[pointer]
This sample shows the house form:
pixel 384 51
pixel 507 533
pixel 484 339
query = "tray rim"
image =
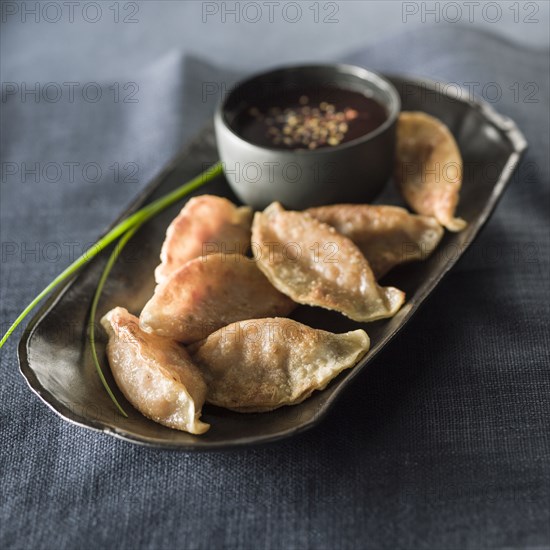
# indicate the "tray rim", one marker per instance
pixel 505 124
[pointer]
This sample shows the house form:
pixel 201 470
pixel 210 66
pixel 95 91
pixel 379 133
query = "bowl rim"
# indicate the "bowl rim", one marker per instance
pixel 367 75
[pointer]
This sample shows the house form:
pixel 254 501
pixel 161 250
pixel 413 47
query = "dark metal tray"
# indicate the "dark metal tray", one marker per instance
pixel 54 355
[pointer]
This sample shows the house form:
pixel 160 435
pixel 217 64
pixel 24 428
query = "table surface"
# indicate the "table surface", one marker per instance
pixel 85 43
pixel 444 444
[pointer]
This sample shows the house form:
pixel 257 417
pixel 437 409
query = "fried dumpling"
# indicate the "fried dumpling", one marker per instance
pixel 155 374
pixel 208 293
pixel 206 224
pixel 313 264
pixel 428 168
pixel 263 364
pixel 386 235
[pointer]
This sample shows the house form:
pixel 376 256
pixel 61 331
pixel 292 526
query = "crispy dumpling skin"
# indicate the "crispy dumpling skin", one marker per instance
pixel 208 293
pixel 262 364
pixel 428 168
pixel 206 224
pixel 155 374
pixel 313 264
pixel 386 235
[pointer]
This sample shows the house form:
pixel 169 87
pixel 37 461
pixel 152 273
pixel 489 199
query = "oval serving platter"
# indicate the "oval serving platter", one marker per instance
pixel 54 355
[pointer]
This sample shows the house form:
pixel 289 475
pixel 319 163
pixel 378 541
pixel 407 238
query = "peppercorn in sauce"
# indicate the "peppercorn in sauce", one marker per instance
pixel 310 119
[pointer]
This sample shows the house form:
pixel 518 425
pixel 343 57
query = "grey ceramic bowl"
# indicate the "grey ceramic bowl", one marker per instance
pixel 354 171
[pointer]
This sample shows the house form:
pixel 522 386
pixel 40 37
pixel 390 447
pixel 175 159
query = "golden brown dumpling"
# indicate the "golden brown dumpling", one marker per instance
pixel 206 224
pixel 313 264
pixel 386 235
pixel 208 293
pixel 262 364
pixel 155 374
pixel 428 168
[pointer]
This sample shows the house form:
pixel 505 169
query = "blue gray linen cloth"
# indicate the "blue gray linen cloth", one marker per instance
pixel 444 443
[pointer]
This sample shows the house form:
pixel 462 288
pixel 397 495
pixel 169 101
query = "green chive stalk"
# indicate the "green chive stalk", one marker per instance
pixel 93 311
pixel 133 221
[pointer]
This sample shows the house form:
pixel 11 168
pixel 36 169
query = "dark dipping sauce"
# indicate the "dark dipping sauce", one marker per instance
pixel 309 119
